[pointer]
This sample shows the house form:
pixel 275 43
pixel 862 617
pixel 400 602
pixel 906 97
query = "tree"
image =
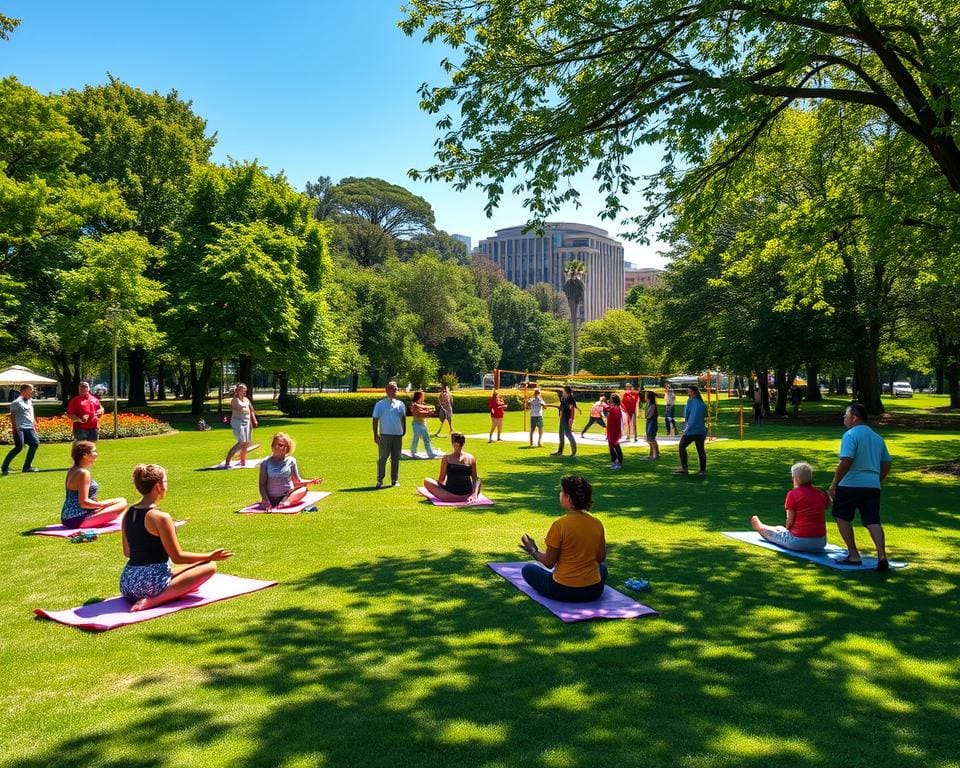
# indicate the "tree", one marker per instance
pixel 546 90
pixel 7 25
pixel 321 191
pixel 526 335
pixel 615 344
pixel 549 299
pixel 395 210
pixel 443 245
pixel 573 290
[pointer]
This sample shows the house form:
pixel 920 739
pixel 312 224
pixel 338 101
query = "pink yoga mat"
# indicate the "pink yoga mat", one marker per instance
pixel 62 532
pixel 611 605
pixel 482 501
pixel 235 464
pixel 115 612
pixel 308 501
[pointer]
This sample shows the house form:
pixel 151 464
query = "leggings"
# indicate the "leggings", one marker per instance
pixel 565 430
pixel 701 452
pixel 616 453
pixel 593 420
pixel 542 581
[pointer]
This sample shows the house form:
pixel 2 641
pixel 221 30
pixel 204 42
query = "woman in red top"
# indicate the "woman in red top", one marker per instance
pixel 614 431
pixel 805 529
pixel 630 400
pixel 496 415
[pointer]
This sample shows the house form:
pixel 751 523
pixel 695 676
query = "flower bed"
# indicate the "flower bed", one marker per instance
pixel 59 429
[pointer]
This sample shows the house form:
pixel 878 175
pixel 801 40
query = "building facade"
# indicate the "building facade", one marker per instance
pixel 527 258
pixel 645 276
pixel 465 239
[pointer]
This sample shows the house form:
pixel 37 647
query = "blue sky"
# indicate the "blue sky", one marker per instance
pixel 310 87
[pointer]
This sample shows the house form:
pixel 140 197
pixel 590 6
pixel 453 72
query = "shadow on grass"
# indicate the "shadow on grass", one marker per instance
pixel 433 660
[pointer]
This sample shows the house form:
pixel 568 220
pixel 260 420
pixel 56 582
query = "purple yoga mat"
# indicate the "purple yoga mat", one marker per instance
pixel 62 532
pixel 115 612
pixel 308 501
pixel 611 605
pixel 482 501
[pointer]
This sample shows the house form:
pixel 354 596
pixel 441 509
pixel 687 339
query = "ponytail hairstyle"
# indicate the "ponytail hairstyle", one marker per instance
pixel 146 477
pixel 579 491
pixel 80 449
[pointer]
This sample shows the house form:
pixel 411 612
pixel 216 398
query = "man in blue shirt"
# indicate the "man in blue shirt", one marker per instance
pixel 24 428
pixel 389 427
pixel 864 463
pixel 694 430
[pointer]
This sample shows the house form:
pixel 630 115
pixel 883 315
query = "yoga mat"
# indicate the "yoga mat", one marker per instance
pixel 62 532
pixel 482 501
pixel 308 501
pixel 417 457
pixel 828 557
pixel 611 605
pixel 115 612
pixel 235 464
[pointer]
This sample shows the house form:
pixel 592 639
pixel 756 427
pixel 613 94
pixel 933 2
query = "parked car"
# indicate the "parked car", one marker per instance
pixel 902 389
pixel 100 389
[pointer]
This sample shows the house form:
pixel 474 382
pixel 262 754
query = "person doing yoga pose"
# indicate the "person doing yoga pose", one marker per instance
pixel 458 479
pixel 280 483
pixel 81 507
pixel 805 529
pixel 150 543
pixel 243 418
pixel 576 549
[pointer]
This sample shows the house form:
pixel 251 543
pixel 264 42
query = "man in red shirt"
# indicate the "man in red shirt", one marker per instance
pixel 84 410
pixel 629 404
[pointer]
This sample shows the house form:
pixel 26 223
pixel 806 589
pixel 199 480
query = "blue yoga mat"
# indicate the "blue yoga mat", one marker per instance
pixel 828 556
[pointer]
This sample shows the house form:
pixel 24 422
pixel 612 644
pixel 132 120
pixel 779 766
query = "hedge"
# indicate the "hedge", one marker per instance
pixel 337 404
pixel 59 429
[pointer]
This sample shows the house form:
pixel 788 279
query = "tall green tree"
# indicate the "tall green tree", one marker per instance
pixel 395 210
pixel 544 91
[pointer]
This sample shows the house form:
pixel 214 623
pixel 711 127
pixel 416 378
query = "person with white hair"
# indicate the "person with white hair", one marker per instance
pixel 805 528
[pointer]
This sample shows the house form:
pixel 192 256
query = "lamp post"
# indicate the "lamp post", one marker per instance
pixel 113 313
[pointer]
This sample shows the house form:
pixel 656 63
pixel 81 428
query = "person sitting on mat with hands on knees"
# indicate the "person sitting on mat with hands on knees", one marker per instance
pixel 81 507
pixel 150 543
pixel 576 549
pixel 805 529
pixel 280 483
pixel 458 479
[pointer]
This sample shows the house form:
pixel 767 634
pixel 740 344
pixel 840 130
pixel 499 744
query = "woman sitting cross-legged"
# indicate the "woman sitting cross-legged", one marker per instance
pixel 81 507
pixel 280 483
pixel 576 549
pixel 458 479
pixel 150 543
pixel 805 529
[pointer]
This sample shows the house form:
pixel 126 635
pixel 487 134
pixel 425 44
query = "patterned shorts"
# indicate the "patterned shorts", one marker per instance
pixel 140 581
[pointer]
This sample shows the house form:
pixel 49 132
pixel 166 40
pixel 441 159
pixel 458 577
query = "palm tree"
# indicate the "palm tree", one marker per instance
pixel 573 289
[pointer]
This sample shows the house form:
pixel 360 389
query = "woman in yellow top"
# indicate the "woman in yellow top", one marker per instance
pixel 576 549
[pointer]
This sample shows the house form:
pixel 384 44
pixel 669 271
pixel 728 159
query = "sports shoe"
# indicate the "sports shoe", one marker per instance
pixel 616 466
pixel 379 484
pixel 396 484
pixel 30 469
pixel 883 565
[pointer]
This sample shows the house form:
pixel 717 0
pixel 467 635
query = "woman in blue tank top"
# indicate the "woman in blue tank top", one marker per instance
pixel 150 542
pixel 280 482
pixel 81 507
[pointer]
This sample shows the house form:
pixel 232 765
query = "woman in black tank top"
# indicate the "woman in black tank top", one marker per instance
pixel 458 479
pixel 150 543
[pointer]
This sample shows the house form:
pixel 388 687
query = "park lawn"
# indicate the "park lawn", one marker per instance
pixel 389 643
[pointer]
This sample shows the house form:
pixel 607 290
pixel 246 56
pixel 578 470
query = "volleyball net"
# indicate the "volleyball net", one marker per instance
pixel 587 387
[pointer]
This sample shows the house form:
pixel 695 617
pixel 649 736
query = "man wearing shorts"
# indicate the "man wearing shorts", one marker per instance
pixel 864 463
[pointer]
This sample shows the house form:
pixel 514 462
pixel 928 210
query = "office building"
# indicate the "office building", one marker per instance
pixel 645 276
pixel 527 258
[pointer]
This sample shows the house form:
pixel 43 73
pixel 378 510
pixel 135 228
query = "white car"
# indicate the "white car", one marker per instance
pixel 902 389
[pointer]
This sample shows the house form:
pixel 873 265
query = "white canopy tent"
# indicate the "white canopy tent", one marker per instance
pixel 16 375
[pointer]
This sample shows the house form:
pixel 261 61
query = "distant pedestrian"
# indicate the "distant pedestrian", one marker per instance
pixel 669 407
pixel 537 404
pixel 389 427
pixel 23 426
pixel 596 415
pixel 568 409
pixel 629 402
pixel 243 418
pixel 757 405
pixel 497 407
pixel 420 412
pixel 615 419
pixel 650 424
pixel 446 409
pixel 795 397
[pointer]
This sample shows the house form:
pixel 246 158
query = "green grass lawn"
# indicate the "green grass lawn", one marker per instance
pixel 389 643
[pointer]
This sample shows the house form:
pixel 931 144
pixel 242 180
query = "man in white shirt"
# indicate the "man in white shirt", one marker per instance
pixel 24 428
pixel 389 427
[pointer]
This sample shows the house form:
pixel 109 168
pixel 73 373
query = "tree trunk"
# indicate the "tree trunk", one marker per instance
pixel 354 380
pixel 161 387
pixel 867 380
pixel 813 394
pixel 136 368
pixel 953 382
pixel 245 372
pixel 940 376
pixel 780 381
pixel 281 378
pixel 199 384
pixel 763 381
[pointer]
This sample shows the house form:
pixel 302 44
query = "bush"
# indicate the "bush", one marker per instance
pixel 59 429
pixel 361 403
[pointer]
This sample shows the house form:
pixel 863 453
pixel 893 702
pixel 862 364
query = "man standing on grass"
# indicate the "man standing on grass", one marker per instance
pixel 24 428
pixel 85 410
pixel 389 427
pixel 864 463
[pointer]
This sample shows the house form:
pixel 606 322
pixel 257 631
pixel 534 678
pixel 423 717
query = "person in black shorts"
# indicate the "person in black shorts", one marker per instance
pixel 458 479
